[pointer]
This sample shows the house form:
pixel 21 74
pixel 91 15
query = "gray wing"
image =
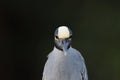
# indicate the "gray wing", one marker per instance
pixel 43 78
pixel 84 74
pixel 75 70
pixel 83 71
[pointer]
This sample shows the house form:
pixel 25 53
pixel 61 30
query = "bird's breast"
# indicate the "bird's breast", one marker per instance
pixel 62 67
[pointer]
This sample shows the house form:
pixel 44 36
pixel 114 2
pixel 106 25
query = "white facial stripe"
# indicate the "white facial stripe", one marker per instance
pixel 63 32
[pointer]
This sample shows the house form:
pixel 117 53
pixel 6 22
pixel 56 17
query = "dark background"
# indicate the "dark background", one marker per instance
pixel 26 36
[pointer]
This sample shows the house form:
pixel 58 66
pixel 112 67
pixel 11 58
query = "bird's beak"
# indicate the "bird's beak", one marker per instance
pixel 64 46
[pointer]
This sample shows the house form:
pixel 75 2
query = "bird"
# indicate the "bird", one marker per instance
pixel 64 62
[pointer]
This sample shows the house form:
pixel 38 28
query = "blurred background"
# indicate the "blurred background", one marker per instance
pixel 27 28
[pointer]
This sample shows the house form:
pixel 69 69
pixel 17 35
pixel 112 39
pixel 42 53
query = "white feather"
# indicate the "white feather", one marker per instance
pixel 63 32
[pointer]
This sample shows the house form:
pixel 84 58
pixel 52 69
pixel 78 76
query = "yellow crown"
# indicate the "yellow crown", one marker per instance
pixel 63 32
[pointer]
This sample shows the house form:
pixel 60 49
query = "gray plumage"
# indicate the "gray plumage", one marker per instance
pixel 65 67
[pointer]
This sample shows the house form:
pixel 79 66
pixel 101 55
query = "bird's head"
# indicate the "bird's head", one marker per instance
pixel 62 37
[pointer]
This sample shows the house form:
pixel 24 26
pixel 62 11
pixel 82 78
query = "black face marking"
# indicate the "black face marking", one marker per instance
pixel 56 37
pixel 56 32
pixel 70 36
pixel 58 41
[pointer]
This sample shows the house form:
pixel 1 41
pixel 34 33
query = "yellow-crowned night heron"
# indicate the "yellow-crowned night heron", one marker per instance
pixel 64 62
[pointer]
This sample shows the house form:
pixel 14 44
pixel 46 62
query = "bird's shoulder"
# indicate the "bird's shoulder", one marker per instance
pixel 76 53
pixel 54 53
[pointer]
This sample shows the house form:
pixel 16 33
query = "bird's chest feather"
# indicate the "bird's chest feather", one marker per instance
pixel 63 66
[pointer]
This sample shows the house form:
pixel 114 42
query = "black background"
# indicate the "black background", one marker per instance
pixel 26 36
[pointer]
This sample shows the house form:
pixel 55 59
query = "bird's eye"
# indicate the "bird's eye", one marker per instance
pixel 56 37
pixel 70 36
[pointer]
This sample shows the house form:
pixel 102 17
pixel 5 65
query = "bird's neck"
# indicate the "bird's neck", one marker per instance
pixel 56 47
